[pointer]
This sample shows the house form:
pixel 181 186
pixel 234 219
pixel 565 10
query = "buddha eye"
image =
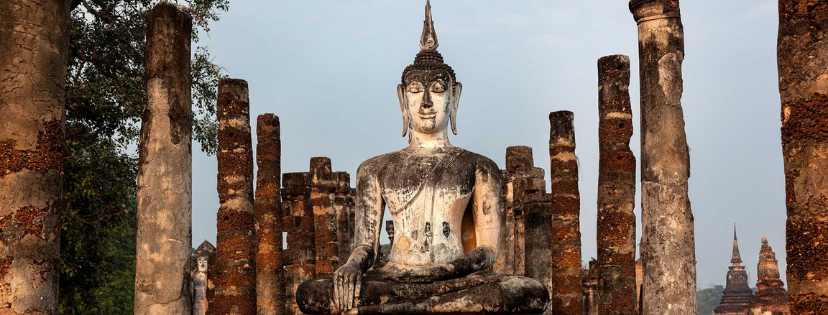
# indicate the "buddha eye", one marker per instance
pixel 415 87
pixel 438 87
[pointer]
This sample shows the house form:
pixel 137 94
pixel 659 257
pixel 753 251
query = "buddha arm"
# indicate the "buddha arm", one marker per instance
pixel 486 211
pixel 369 212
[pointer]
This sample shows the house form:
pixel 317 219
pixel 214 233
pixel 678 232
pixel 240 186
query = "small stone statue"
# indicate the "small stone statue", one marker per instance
pixel 199 277
pixel 445 206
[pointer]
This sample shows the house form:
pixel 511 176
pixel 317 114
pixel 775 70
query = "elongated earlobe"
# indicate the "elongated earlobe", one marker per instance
pixel 403 107
pixel 455 101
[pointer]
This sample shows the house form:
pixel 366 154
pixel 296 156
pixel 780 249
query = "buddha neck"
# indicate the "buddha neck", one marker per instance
pixel 436 140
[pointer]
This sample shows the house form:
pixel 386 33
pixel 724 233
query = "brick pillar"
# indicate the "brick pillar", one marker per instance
pixel 164 241
pixel 342 203
pixel 324 217
pixel 803 86
pixel 235 268
pixel 270 278
pixel 616 189
pixel 567 298
pixel 668 244
pixel 300 255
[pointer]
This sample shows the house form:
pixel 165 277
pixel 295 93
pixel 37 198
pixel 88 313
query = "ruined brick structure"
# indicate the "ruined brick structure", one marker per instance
pixel 323 190
pixel 529 209
pixel 737 292
pixel 616 189
pixel 567 297
pixel 300 254
pixel 512 258
pixel 318 217
pixel 164 240
pixel 233 273
pixel 270 278
pixel 802 58
pixel 771 297
pixel 668 249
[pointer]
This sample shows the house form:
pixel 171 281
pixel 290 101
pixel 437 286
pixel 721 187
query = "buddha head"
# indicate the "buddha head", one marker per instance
pixel 202 256
pixel 429 92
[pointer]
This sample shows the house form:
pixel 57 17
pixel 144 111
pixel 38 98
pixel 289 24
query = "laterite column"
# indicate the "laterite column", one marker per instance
pixel 235 268
pixel 616 189
pixel 567 296
pixel 270 278
pixel 802 54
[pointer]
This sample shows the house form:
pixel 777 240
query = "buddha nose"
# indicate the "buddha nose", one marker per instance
pixel 426 103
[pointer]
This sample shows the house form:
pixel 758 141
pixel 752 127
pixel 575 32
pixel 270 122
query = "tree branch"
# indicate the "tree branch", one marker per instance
pixel 106 17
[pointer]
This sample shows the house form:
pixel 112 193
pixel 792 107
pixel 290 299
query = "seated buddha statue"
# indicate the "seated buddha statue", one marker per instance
pixel 445 205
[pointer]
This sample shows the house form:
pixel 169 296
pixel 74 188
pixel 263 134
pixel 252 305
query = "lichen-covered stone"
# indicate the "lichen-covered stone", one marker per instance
pixel 668 241
pixel 802 57
pixel 164 241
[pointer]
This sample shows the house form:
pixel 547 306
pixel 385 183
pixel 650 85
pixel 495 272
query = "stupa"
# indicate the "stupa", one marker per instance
pixel 771 299
pixel 737 293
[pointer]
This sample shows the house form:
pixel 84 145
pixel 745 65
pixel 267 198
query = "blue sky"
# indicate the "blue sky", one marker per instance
pixel 329 69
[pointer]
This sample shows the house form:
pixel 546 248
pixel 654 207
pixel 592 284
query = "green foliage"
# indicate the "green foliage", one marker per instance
pixel 104 103
pixel 708 299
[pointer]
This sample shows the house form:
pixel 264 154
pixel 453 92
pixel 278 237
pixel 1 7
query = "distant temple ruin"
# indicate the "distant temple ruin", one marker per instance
pixel 737 292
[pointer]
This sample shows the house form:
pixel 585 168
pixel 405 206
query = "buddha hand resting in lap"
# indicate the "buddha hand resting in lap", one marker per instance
pixel 445 204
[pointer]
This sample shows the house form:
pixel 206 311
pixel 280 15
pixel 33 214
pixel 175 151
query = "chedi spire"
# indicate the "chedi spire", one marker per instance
pixel 736 258
pixel 771 297
pixel 737 293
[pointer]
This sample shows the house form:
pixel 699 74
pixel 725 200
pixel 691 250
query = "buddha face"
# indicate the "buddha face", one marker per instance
pixel 202 264
pixel 428 100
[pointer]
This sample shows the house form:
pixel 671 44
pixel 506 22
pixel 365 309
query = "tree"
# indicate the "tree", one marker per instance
pixel 104 102
pixel 708 299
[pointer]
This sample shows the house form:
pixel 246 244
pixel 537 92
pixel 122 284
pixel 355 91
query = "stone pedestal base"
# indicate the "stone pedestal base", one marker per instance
pixel 474 294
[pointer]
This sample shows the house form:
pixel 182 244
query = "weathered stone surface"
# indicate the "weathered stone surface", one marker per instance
pixel 299 256
pixel 668 244
pixel 201 266
pixel 164 242
pixel 234 272
pixel 34 40
pixel 567 298
pixel 616 189
pixel 737 292
pixel 481 293
pixel 343 207
pixel 803 86
pixel 323 190
pixel 270 278
pixel 444 202
pixel 771 298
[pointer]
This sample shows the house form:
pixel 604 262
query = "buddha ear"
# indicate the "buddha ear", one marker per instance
pixel 455 101
pixel 403 107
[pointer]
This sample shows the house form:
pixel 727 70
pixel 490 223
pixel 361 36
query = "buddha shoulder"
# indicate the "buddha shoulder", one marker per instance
pixel 460 159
